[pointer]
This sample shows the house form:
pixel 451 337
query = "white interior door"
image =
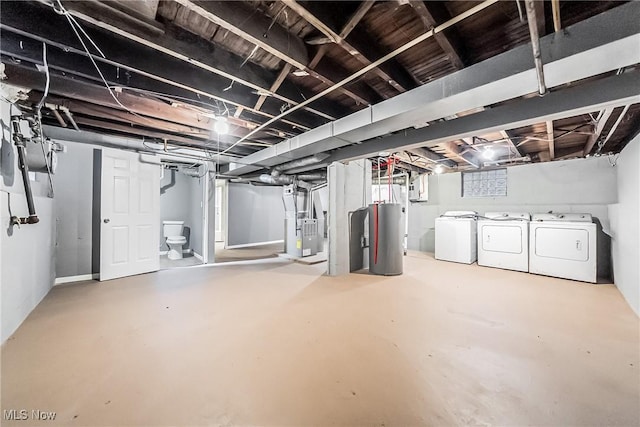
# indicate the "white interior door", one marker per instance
pixel 130 215
pixel 218 210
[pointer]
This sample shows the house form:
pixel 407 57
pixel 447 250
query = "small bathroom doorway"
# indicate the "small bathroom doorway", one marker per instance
pixel 182 233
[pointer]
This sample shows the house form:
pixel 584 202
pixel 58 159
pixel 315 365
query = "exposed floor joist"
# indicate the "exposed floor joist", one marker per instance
pixel 172 42
pixel 551 138
pixel 450 45
pixel 288 48
pixel 577 54
pixel 387 73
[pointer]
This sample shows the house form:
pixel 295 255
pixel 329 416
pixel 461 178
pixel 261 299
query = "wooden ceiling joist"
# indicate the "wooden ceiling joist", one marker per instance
pixel 177 43
pixel 253 29
pixel 389 74
pixel 551 138
pixel 450 44
pixel 351 23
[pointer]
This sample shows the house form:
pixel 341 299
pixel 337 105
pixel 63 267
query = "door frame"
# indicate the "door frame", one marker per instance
pixel 206 251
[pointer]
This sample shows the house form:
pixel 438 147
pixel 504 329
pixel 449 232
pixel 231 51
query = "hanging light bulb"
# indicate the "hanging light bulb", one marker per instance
pixel 221 126
pixel 439 169
pixel 488 153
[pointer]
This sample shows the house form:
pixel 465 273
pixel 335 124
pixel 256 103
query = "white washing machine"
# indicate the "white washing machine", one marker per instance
pixel 456 237
pixel 563 245
pixel 503 240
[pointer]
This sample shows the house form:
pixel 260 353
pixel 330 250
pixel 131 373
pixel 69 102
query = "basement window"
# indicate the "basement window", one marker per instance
pixel 491 183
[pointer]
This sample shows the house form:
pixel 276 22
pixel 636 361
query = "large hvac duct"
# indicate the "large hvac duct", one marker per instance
pixel 385 239
pixel 276 180
pixel 306 161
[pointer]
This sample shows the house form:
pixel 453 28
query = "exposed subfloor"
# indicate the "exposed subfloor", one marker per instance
pixel 278 343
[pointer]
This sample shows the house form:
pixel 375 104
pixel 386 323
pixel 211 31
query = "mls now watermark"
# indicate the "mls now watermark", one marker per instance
pixel 24 415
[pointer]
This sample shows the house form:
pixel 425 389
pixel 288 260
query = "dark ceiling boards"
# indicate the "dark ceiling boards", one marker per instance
pixel 176 65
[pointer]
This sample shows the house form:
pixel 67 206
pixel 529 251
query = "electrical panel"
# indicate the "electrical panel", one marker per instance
pixel 419 188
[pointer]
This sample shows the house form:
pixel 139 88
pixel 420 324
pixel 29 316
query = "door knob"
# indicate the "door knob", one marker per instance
pixel 106 220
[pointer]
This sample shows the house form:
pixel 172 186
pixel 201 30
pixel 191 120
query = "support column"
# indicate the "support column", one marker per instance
pixel 349 190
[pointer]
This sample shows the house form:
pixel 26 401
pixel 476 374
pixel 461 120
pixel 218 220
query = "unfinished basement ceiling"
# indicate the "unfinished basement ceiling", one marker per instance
pixel 172 67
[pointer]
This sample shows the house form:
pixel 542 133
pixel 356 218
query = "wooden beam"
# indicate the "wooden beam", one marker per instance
pixel 69 87
pixel 276 84
pixel 232 16
pixel 551 137
pixel 169 40
pixel 357 16
pixel 386 75
pixel 251 26
pixel 601 121
pixel 426 15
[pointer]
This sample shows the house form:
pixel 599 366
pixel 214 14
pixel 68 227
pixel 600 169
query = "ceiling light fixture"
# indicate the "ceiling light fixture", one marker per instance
pixel 488 153
pixel 300 73
pixel 221 126
pixel 439 169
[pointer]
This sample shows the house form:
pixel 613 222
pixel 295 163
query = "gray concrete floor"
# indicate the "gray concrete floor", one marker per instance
pixel 282 344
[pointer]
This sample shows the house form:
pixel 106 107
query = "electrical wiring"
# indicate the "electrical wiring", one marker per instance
pixel 38 117
pixel 73 23
pixel 48 81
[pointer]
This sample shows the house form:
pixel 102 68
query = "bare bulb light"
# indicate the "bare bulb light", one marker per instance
pixel 488 153
pixel 221 126
pixel 439 169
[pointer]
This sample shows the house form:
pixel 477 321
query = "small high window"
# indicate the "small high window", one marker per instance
pixel 491 183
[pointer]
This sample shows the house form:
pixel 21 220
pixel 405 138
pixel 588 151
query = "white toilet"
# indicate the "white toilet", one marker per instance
pixel 172 231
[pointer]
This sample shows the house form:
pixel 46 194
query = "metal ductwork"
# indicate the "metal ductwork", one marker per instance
pixel 312 177
pixel 306 161
pixel 276 180
pixel 138 145
pixel 192 172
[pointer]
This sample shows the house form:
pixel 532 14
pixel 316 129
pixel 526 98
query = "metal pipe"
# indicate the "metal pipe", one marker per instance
pixel 20 141
pixel 67 113
pixel 440 28
pixel 535 44
pixel 55 112
pixel 555 6
pixel 519 11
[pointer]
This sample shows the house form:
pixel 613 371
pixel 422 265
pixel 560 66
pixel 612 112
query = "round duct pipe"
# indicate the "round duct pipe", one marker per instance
pixel 305 161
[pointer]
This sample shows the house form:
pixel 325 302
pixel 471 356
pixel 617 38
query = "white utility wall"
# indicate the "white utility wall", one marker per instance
pixel 26 252
pixel 580 185
pixel 182 202
pixel 625 225
pixel 349 189
pixel 73 183
pixel 255 214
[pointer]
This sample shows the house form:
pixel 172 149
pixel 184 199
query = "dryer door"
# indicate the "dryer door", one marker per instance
pixel 502 238
pixel 562 243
